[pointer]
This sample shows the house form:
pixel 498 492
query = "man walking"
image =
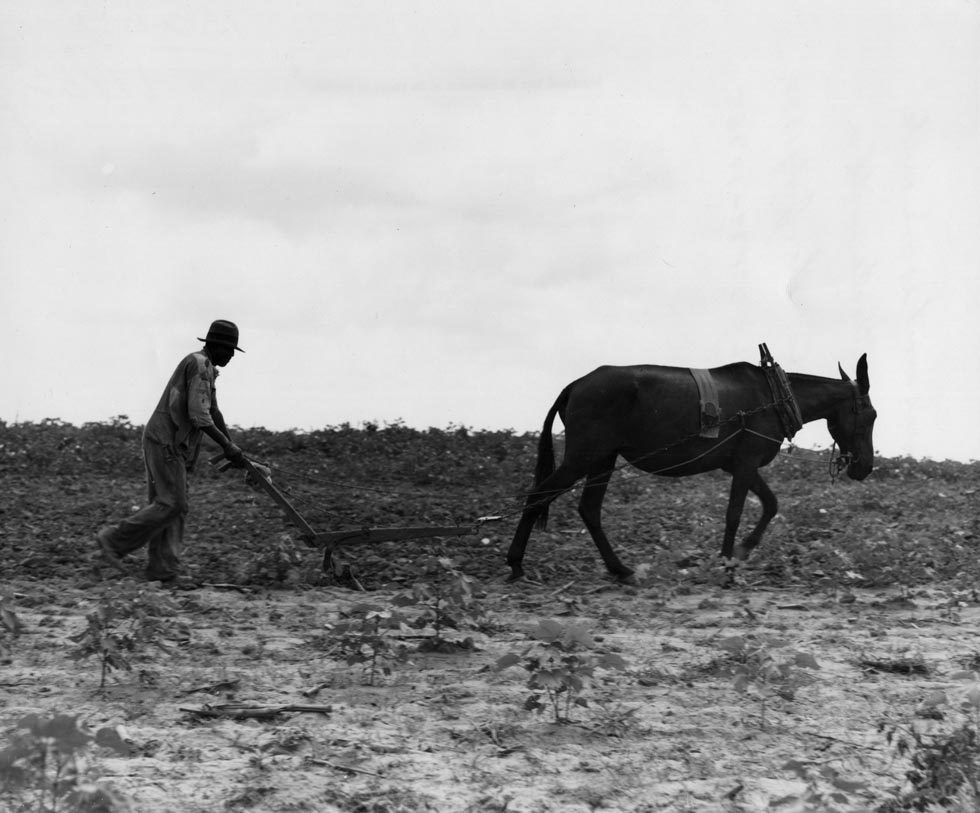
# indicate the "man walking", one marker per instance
pixel 187 410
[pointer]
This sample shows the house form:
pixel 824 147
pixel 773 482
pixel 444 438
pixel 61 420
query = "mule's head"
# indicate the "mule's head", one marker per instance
pixel 852 422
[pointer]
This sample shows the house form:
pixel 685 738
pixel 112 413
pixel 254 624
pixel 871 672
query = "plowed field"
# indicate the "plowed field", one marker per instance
pixel 852 630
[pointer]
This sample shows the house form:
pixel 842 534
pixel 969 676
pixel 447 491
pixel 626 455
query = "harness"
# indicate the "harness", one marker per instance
pixel 710 407
pixel 787 409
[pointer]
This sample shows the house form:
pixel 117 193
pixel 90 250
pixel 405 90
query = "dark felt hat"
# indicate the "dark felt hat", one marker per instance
pixel 224 333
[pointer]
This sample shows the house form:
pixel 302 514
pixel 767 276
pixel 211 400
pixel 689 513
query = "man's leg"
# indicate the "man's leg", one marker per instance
pixel 160 524
pixel 165 548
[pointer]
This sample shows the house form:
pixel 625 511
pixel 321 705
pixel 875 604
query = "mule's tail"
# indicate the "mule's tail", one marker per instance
pixel 546 458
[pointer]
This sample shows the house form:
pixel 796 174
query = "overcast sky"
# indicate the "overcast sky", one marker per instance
pixel 443 212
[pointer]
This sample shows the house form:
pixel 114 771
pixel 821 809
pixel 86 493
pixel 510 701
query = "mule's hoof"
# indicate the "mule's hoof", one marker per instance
pixel 733 575
pixel 516 574
pixel 628 579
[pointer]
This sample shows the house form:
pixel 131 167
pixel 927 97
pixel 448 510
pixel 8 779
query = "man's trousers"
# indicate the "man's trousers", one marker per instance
pixel 160 525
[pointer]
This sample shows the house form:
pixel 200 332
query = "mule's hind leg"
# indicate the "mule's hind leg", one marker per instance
pixel 590 509
pixel 537 501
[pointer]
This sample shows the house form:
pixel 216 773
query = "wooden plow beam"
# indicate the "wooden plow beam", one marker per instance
pixel 329 540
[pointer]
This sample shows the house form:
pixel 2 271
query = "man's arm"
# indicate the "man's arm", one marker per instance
pixel 203 411
pixel 219 420
pixel 232 452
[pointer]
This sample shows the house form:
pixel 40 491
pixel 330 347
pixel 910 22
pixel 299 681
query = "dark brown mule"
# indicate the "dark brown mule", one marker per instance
pixel 650 416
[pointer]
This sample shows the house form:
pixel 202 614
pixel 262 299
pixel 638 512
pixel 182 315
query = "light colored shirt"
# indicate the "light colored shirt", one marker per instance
pixel 188 404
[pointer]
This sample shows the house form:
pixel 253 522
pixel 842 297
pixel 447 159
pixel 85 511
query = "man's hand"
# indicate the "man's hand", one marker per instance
pixel 235 456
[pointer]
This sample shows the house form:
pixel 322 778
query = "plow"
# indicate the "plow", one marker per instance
pixel 259 476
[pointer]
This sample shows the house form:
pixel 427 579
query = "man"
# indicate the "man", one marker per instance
pixel 187 410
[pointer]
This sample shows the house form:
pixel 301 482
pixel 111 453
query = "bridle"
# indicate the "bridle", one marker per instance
pixel 841 461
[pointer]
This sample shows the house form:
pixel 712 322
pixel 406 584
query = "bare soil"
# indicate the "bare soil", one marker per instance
pixel 448 732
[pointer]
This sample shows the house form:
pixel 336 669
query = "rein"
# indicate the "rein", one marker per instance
pixel 835 464
pixel 839 463
pixel 844 459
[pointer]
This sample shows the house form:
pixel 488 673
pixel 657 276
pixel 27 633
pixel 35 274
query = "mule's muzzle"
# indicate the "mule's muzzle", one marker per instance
pixel 859 469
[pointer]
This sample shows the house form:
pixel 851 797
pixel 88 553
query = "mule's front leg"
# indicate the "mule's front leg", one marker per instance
pixel 770 506
pixel 733 515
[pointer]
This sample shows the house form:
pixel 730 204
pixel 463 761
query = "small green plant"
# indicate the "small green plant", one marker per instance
pixel 127 618
pixel 615 719
pixel 364 640
pixel 945 770
pixel 560 666
pixel 446 602
pixel 764 667
pixel 42 772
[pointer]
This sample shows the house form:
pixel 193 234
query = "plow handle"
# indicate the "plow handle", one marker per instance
pixel 265 484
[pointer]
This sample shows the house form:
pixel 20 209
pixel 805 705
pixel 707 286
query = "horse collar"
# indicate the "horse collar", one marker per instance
pixel 787 408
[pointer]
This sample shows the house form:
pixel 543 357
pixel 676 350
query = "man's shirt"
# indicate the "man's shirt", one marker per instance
pixel 188 404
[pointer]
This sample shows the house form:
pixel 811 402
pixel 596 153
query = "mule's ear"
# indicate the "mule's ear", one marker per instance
pixel 843 375
pixel 862 373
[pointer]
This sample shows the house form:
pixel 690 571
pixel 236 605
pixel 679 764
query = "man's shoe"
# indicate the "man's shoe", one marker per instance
pixel 108 554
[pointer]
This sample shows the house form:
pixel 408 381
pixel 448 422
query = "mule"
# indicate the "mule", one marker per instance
pixel 650 416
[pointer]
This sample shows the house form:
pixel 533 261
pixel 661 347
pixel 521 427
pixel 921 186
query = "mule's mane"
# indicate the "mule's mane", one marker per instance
pixel 802 377
pixel 814 378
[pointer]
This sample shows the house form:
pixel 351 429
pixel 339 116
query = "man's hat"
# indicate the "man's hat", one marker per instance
pixel 224 333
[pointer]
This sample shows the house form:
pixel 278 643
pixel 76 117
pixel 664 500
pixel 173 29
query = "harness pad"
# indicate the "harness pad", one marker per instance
pixel 710 408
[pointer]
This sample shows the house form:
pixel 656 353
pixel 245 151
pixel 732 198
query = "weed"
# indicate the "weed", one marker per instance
pixel 764 667
pixel 364 640
pixel 945 772
pixel 559 674
pixel 446 601
pixel 128 617
pixel 41 769
pixel 614 720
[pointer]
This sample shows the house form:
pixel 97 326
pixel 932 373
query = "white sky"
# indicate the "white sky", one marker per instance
pixel 443 212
